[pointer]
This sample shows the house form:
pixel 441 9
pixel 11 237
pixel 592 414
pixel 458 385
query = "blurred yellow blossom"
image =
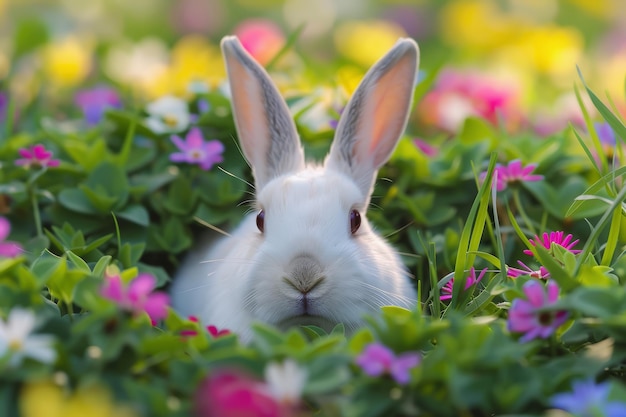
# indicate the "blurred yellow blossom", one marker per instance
pixel 365 41
pixel 599 8
pixel 46 399
pixel 349 78
pixel 193 59
pixel 66 62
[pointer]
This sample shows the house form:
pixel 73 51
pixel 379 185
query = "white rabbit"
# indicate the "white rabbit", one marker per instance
pixel 307 255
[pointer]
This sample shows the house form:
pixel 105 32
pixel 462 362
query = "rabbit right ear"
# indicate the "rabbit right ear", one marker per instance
pixel 265 127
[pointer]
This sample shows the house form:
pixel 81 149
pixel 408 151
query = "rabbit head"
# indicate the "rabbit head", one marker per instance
pixel 307 255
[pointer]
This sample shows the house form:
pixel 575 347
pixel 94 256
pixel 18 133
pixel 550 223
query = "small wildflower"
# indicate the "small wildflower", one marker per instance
pixel 514 172
pixel 425 147
pixel 541 273
pixel 531 317
pixel 138 296
pixel 17 340
pixel 605 134
pixel 194 150
pixel 36 155
pixel 95 102
pixel 262 38
pixel 213 331
pixel 8 249
pixel 589 399
pixel 168 115
pixel 226 393
pixel 286 381
pixel 377 359
pixel 471 280
pixel 554 238
pixel 4 106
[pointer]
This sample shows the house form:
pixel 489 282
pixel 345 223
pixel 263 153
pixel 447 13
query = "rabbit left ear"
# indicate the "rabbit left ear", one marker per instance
pixel 265 127
pixel 376 116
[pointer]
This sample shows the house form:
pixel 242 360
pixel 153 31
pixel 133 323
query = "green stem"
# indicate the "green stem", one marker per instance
pixel 36 214
pixel 522 212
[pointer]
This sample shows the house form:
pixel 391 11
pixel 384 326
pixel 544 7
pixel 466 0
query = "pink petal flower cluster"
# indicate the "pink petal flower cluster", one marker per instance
pixel 541 273
pixel 532 316
pixel 36 155
pixel 471 280
pixel 377 359
pixel 554 238
pixel 213 331
pixel 231 393
pixel 514 172
pixel 8 249
pixel 194 150
pixel 458 95
pixel 262 38
pixel 138 296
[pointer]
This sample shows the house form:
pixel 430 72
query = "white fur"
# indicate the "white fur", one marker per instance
pixel 307 251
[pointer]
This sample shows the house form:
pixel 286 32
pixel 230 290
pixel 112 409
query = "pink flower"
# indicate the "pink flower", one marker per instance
pixel 261 38
pixel 95 101
pixel 377 359
pixel 7 249
pixel 554 238
pixel 425 147
pixel 458 95
pixel 532 316
pixel 194 150
pixel 234 394
pixel 36 155
pixel 138 296
pixel 541 273
pixel 512 173
pixel 213 331
pixel 471 280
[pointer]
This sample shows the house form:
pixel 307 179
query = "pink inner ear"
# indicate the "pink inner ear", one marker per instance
pixel 386 110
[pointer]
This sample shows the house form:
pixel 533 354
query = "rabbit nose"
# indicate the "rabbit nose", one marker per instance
pixel 305 273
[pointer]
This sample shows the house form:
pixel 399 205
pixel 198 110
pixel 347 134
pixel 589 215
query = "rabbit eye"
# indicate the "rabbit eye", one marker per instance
pixel 355 221
pixel 260 221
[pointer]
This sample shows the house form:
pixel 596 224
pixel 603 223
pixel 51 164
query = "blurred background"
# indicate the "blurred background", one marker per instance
pixel 511 62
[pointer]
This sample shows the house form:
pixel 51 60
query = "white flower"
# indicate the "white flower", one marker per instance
pixel 285 381
pixel 17 341
pixel 168 115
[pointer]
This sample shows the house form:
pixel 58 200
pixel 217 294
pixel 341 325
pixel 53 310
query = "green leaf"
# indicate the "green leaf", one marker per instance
pixel 135 214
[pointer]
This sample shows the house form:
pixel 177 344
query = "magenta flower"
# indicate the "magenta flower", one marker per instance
pixel 138 296
pixel 194 150
pixel 425 147
pixel 514 172
pixel 532 316
pixel 213 331
pixel 471 280
pixel 377 359
pixel 7 249
pixel 4 104
pixel 554 238
pixel 541 273
pixel 589 399
pixel 36 155
pixel 234 394
pixel 95 102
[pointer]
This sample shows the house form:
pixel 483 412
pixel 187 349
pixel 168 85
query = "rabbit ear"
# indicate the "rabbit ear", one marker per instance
pixel 265 127
pixel 375 116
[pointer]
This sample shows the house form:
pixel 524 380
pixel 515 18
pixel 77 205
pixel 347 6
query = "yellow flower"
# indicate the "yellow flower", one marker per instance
pixel 349 78
pixel 66 62
pixel 192 59
pixel 46 399
pixel 366 41
pixel 600 8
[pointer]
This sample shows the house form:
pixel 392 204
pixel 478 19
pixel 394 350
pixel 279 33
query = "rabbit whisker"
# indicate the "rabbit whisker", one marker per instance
pixel 235 176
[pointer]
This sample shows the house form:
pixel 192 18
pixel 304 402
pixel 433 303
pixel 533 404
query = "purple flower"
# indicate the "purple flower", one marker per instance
pixel 605 134
pixel 95 101
pixel 531 316
pixel 7 249
pixel 514 172
pixel 554 238
pixel 194 150
pixel 138 296
pixel 471 280
pixel 36 155
pixel 541 273
pixel 4 101
pixel 377 359
pixel 589 399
